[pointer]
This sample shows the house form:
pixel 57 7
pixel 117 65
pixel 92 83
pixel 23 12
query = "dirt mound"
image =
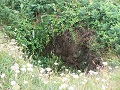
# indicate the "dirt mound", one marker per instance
pixel 74 52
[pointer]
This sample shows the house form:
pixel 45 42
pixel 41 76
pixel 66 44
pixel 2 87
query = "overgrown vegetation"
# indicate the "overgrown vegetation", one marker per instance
pixel 17 74
pixel 33 23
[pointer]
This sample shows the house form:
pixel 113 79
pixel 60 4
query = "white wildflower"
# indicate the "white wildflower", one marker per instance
pixel 25 82
pixel 12 42
pixel 116 67
pixel 15 67
pixel 47 75
pixel 16 47
pixel 71 88
pixel 56 63
pixel 62 74
pixel 54 82
pixel 63 86
pixel 95 73
pixel 39 61
pixel 33 75
pixel 9 54
pixel 3 75
pixel 30 69
pixel 29 65
pixel 42 70
pixel 103 87
pixel 66 70
pixel 103 80
pixel 64 79
pixel 45 82
pixel 79 71
pixel 98 68
pixel 91 72
pixel 20 57
pixel 17 71
pixel 75 76
pixel 97 79
pixel 16 75
pixel 105 63
pixel 23 69
pixel 16 87
pixel 41 75
pixel 13 83
pixel 15 29
pixel 48 69
pixel 16 64
pixel 12 49
pixel 110 68
pixel 83 82
pixel 81 74
pixel 23 45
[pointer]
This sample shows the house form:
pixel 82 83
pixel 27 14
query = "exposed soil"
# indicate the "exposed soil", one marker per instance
pixel 75 52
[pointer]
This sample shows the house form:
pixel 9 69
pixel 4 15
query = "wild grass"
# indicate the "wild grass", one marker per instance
pixel 16 73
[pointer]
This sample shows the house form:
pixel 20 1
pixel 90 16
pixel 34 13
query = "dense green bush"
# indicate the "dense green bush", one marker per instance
pixel 33 22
